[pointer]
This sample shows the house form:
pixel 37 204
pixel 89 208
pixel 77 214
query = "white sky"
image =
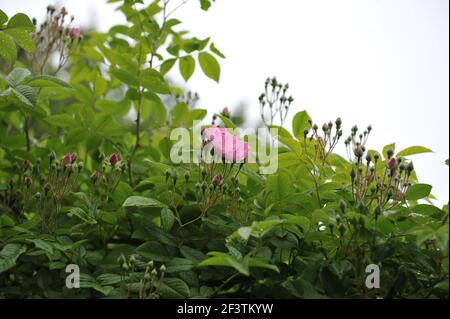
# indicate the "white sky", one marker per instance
pixel 379 62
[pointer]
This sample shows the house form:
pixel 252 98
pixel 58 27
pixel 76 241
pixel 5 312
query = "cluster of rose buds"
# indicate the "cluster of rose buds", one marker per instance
pixel 356 143
pixel 110 173
pixel 63 176
pixel 190 99
pixel 274 102
pixel 390 187
pixel 150 278
pixel 396 179
pixel 325 141
pixel 346 222
pixel 55 35
pixel 21 188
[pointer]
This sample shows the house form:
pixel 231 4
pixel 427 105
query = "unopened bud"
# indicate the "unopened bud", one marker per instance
pixel 389 153
pixel 342 206
pixel 342 230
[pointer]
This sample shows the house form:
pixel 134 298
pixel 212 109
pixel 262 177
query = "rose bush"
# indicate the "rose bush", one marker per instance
pixel 87 179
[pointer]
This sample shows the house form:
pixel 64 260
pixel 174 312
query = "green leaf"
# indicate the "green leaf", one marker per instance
pixel 154 251
pixel 418 191
pixel 9 255
pixel 166 66
pixel 8 49
pixel 125 76
pixel 174 288
pixel 209 65
pixel 109 279
pixel 141 202
pixel 425 209
pixel 216 51
pixel 300 122
pixel 228 123
pixel 154 81
pixel 187 67
pixel 179 264
pixel 258 263
pixel 222 259
pixel 301 221
pixel 167 219
pixel 17 76
pixel 47 81
pixel 205 4
pixel 20 21
pixel 62 120
pixel 413 150
pixel 43 245
pixel 23 39
pixel 3 18
pixel 26 94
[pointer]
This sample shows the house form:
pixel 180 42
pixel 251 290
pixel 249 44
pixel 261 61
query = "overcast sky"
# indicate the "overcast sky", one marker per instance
pixel 379 62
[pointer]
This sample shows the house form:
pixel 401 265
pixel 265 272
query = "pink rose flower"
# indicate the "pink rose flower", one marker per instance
pixel 75 33
pixel 230 147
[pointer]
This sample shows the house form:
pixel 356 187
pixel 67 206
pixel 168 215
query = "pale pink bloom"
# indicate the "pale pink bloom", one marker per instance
pixel 75 33
pixel 229 146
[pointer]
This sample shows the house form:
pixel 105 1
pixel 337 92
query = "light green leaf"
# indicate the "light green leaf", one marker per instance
pixel 187 67
pixel 413 150
pixel 8 49
pixel 3 17
pixel 154 81
pixel 300 122
pixel 26 94
pixel 166 66
pixel 23 39
pixel 418 191
pixel 21 21
pixel 17 76
pixel 209 65
pixel 47 81
pixel 216 51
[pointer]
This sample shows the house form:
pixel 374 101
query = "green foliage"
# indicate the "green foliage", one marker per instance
pixel 86 178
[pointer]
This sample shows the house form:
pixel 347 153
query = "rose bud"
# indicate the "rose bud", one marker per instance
pixel 392 163
pixel 389 153
pixel 68 158
pixel 26 164
pixel 226 112
pixel 114 159
pixel 217 180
